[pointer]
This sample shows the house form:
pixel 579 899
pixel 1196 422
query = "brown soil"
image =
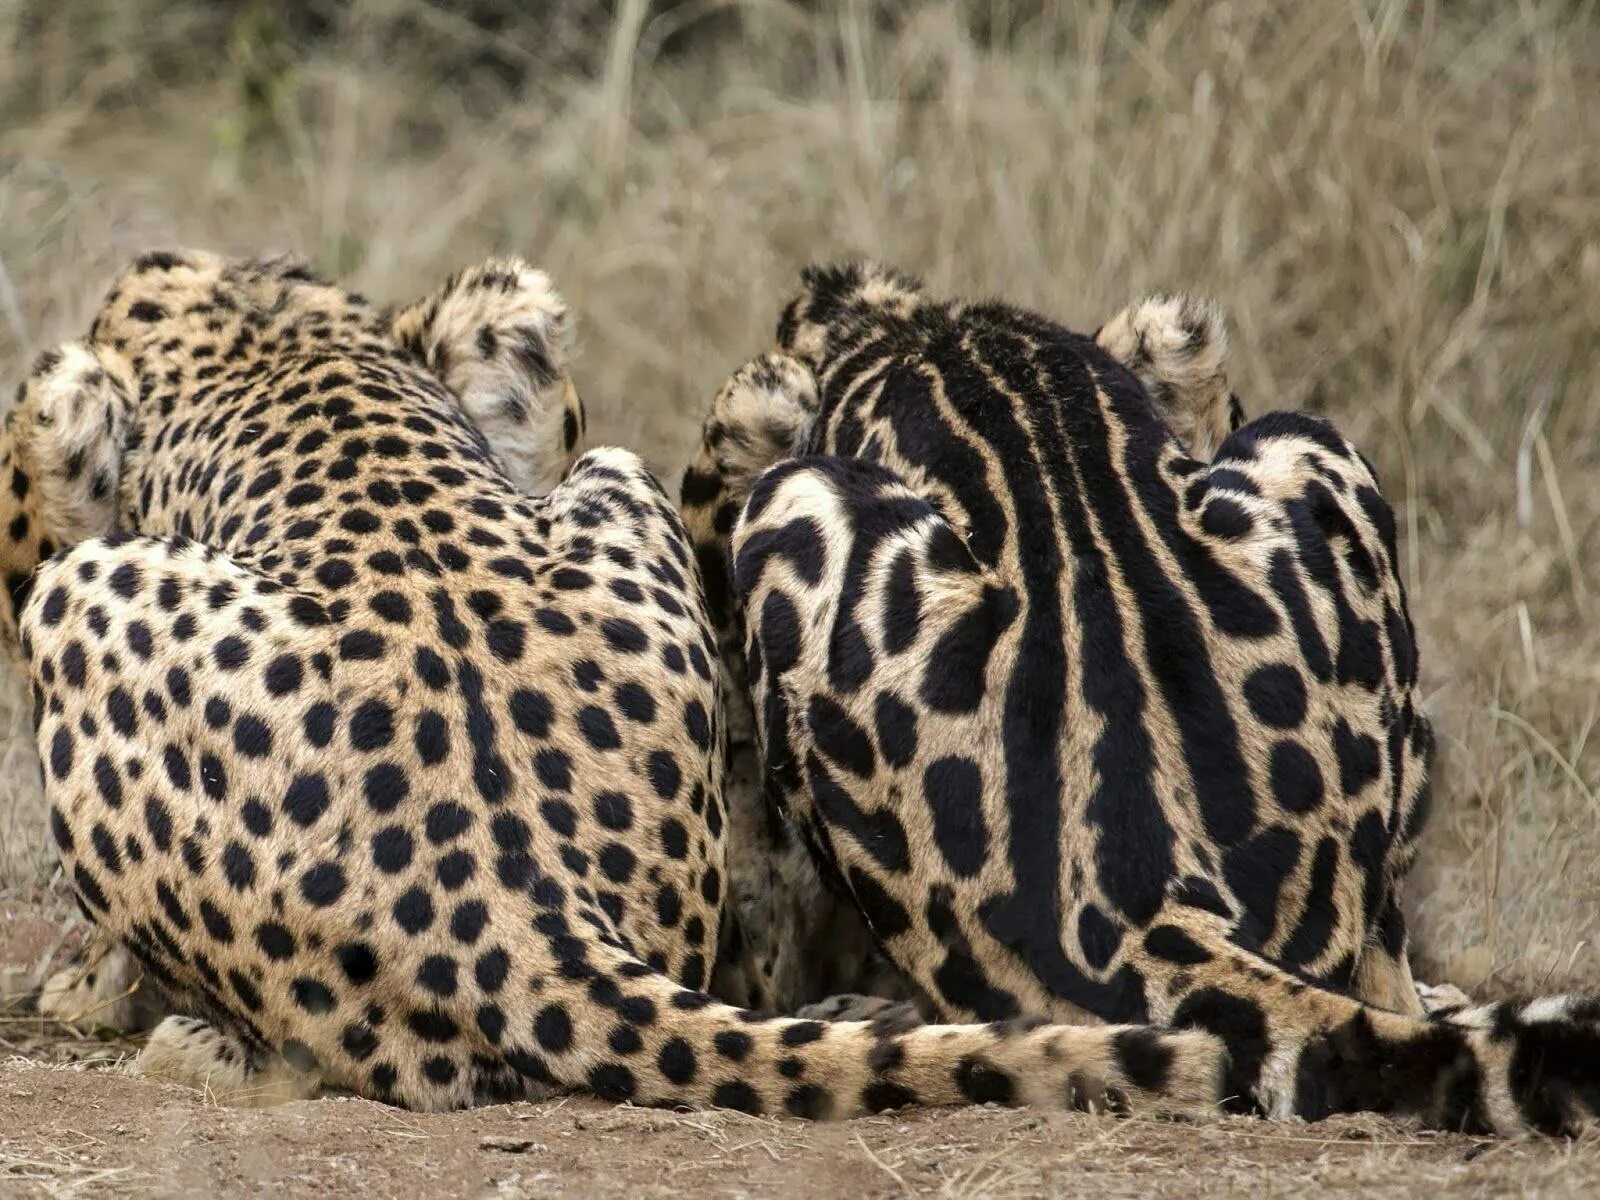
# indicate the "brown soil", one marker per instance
pixel 97 1132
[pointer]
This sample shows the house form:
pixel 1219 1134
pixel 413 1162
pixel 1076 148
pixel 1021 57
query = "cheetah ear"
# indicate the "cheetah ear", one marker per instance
pixel 763 414
pixel 835 296
pixel 498 336
pixel 73 431
pixel 61 459
pixel 1177 346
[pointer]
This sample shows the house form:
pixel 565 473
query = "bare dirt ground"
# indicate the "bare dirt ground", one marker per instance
pixel 1398 205
pixel 69 1131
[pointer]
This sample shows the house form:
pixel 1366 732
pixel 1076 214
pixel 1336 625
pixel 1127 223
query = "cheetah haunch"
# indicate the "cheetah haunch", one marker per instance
pixel 1093 705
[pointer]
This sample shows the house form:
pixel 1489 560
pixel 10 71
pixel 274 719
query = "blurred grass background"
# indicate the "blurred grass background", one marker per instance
pixel 1398 204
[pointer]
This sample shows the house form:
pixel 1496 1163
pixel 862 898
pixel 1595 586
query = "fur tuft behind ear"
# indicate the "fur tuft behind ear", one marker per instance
pixel 1177 346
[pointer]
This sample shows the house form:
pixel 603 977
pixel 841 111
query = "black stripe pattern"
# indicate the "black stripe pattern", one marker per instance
pixel 1104 727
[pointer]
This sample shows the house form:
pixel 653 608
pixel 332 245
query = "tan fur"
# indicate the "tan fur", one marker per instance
pixel 513 383
pixel 1177 345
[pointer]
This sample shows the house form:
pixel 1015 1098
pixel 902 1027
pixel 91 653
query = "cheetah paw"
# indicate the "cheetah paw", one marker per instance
pixel 69 426
pixel 193 1054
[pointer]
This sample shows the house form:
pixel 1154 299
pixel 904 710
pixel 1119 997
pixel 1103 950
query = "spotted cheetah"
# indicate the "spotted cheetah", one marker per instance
pixel 399 778
pixel 1092 701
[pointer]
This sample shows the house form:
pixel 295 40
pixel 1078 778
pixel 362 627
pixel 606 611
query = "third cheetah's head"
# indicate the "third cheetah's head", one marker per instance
pixel 835 299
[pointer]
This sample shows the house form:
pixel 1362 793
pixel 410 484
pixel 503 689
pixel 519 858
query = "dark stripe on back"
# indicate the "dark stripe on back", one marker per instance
pixel 1133 852
pixel 1028 921
pixel 1175 648
pixel 922 438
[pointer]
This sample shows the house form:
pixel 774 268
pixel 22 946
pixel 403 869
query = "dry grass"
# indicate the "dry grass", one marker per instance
pixel 1398 203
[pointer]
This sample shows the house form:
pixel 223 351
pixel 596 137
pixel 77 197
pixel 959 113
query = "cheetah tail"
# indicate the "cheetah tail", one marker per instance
pixel 1247 1037
pixel 1297 1050
pixel 626 1032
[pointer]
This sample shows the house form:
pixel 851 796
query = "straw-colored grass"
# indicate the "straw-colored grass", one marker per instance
pixel 1398 203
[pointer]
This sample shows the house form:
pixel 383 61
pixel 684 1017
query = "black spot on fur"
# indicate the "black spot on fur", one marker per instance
pixel 1242 1026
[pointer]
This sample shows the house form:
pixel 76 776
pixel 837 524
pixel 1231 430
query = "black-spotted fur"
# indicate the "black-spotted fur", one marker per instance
pixel 401 779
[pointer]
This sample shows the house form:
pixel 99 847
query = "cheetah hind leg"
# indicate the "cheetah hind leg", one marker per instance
pixel 1177 346
pixel 191 1053
pixel 496 335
